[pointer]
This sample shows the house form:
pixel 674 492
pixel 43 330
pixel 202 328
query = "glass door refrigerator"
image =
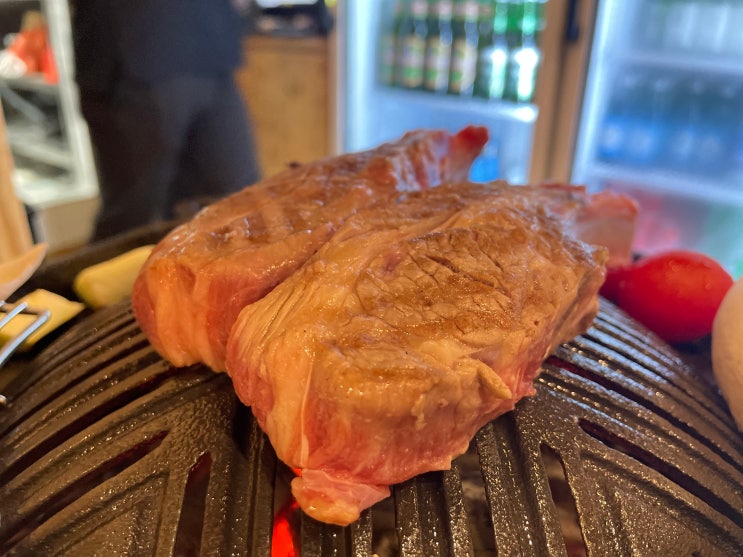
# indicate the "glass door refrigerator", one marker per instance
pixel 641 96
pixel 406 64
pixel 662 119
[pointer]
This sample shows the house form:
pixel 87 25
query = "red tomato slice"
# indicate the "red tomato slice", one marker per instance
pixel 675 294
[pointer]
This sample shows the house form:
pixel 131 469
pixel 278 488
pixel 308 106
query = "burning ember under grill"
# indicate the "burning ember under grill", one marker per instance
pixel 105 449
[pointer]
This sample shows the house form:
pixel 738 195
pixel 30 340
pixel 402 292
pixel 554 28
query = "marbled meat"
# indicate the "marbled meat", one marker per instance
pixel 415 324
pixel 233 252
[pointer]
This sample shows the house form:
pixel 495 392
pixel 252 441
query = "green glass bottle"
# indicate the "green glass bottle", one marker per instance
pixel 486 11
pixel 387 45
pixel 439 46
pixel 524 55
pixel 464 48
pixel 492 56
pixel 411 46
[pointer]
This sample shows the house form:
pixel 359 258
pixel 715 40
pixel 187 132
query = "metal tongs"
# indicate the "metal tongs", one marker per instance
pixel 13 275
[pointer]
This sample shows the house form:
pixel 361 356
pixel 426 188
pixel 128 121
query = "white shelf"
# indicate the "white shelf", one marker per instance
pixel 701 187
pixel 46 151
pixel 684 62
pixel 504 110
pixel 35 83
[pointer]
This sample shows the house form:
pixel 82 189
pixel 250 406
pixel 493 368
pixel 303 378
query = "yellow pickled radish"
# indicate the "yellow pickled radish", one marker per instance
pixel 111 281
pixel 60 308
pixel 727 349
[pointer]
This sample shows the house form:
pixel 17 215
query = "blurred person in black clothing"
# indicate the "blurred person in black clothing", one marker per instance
pixel 166 120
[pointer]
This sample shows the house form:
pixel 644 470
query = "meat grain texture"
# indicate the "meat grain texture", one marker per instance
pixel 413 326
pixel 191 289
pixel 375 322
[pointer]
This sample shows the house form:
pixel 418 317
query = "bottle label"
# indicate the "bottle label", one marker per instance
pixel 443 9
pixel 463 66
pixel 438 56
pixel 419 8
pixel 467 10
pixel 411 63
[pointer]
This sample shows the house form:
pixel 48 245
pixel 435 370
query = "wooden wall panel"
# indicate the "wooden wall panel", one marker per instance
pixel 286 85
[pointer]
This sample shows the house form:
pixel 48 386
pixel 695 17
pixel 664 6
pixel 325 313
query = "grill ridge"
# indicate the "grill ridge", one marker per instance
pixel 644 407
pixel 72 372
pixel 638 381
pixel 672 473
pixel 62 498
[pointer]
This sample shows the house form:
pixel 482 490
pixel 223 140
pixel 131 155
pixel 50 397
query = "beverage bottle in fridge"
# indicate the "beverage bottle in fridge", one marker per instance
pixel 736 167
pixel 524 53
pixel 486 13
pixel 682 17
pixel 439 46
pixel 716 130
pixel 613 135
pixel 733 41
pixel 514 18
pixel 387 45
pixel 464 48
pixel 411 46
pixel 712 26
pixel 492 55
pixel 736 145
pixel 648 127
pixel 650 23
pixel 684 128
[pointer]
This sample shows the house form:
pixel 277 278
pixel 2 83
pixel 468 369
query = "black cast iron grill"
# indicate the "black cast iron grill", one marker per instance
pixel 105 449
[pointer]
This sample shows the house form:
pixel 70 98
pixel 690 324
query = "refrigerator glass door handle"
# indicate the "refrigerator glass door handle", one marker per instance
pixel 572 27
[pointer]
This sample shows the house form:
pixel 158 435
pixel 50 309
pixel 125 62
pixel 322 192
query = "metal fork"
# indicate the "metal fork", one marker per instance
pixel 9 312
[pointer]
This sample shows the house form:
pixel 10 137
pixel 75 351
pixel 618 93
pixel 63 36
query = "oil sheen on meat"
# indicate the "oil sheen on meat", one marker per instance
pixel 413 326
pixel 199 277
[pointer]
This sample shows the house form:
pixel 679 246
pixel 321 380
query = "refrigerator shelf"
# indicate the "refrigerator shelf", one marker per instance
pixel 47 151
pixel 42 191
pixel 683 62
pixel 699 187
pixel 487 109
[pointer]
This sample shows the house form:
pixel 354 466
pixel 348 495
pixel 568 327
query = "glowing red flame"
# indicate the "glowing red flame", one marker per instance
pixel 282 540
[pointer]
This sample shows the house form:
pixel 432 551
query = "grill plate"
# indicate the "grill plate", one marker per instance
pixel 105 449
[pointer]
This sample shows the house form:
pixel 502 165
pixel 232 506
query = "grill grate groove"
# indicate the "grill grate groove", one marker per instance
pixel 645 383
pixel 191 522
pixel 61 499
pixel 684 480
pixel 94 415
pixel 459 531
pixel 71 345
pixel 683 415
pixel 72 374
pixel 562 496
